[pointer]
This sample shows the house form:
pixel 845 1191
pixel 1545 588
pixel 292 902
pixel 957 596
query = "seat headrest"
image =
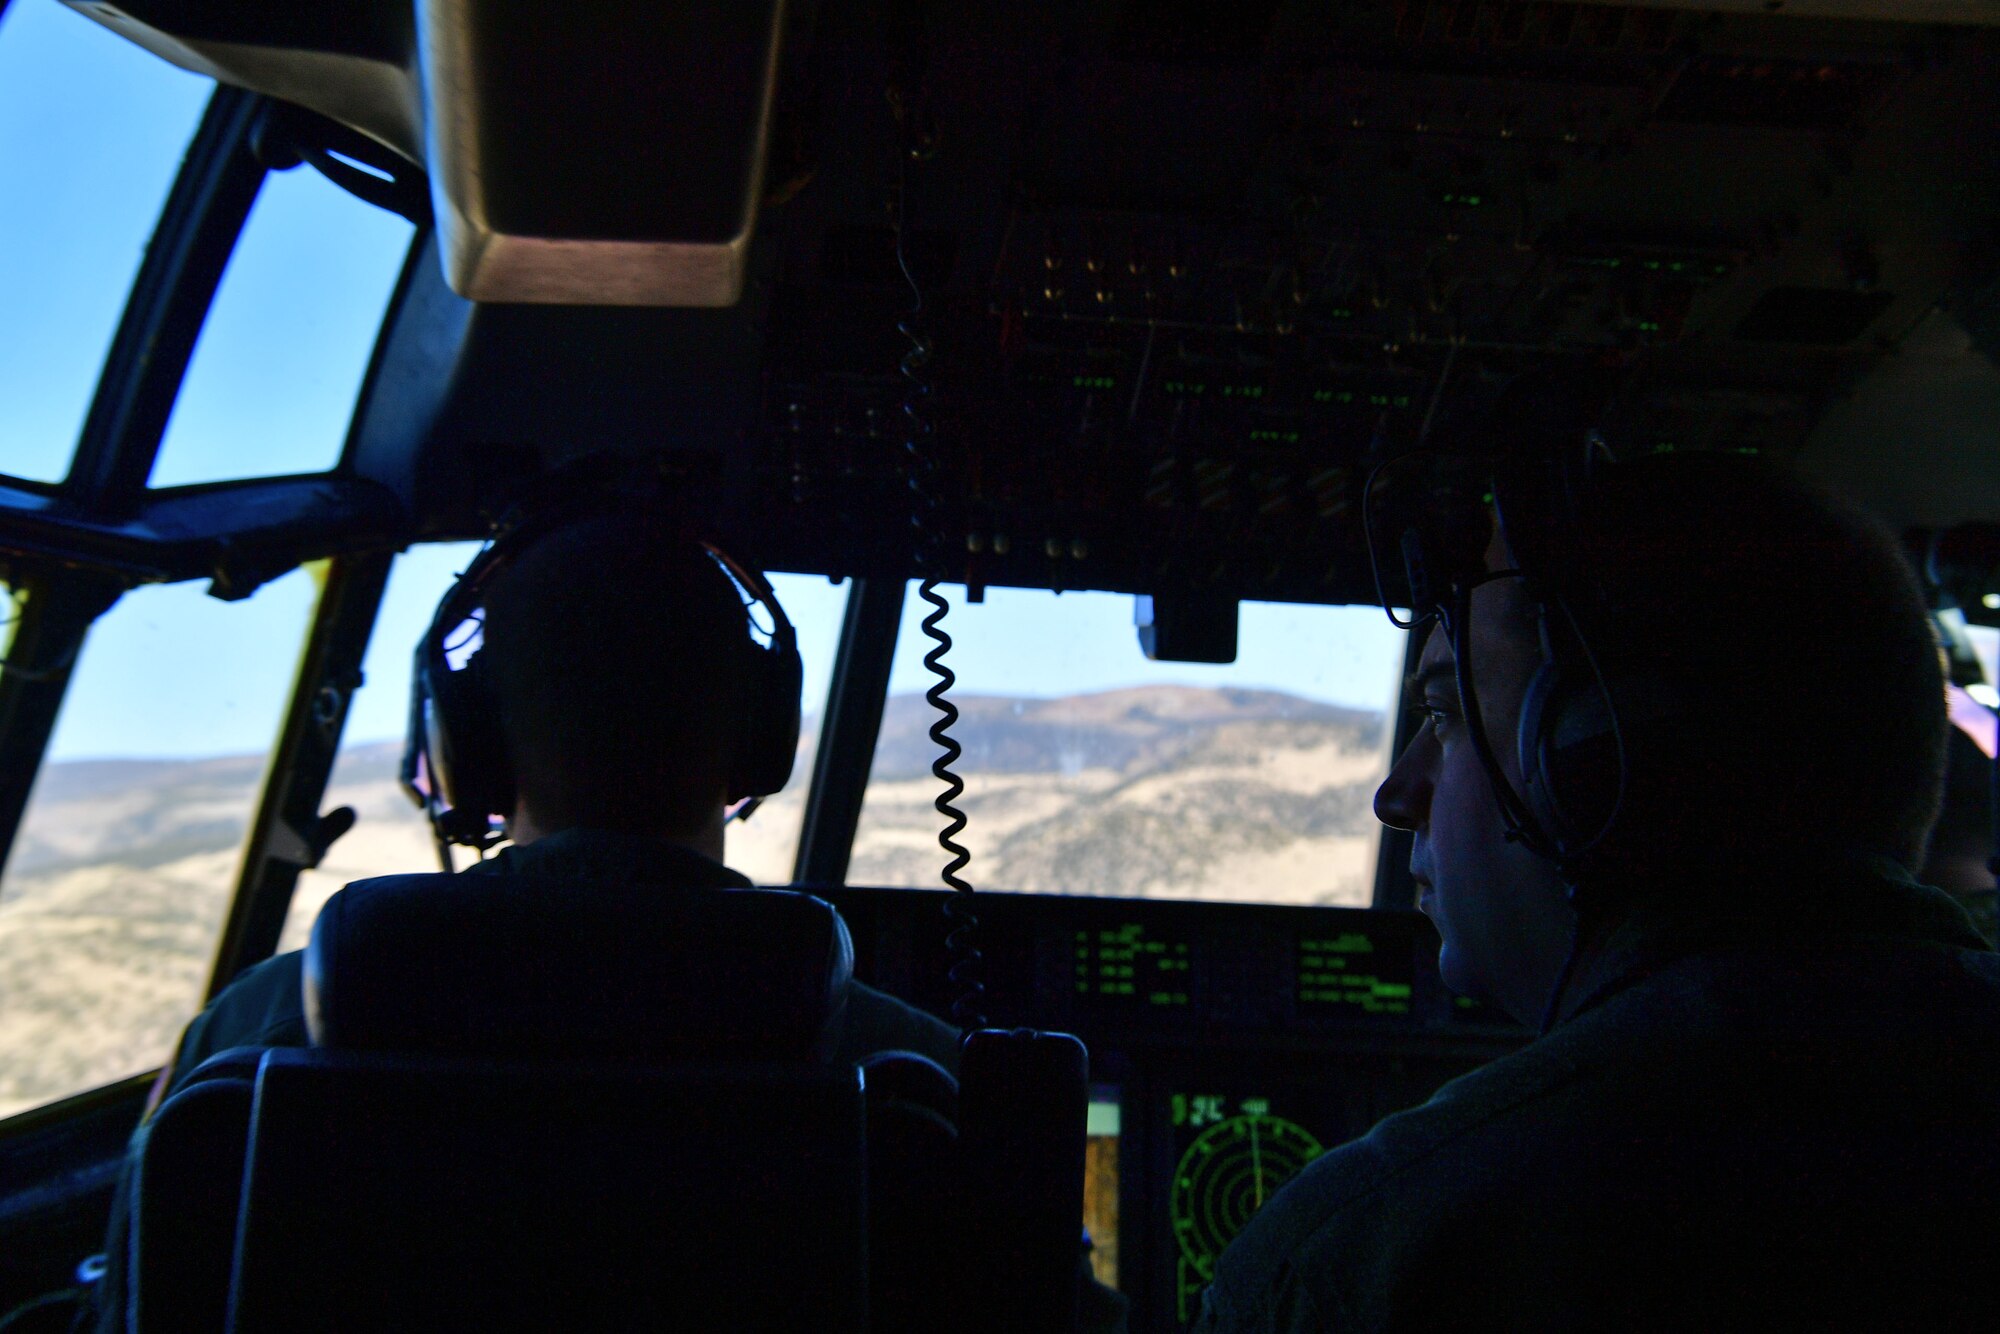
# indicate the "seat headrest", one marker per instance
pixel 538 968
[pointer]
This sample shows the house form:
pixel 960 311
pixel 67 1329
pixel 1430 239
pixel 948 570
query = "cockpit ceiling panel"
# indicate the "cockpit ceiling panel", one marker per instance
pixel 600 153
pixel 1188 271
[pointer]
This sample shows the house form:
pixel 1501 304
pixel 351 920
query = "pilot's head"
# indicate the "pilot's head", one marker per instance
pixel 619 657
pixel 1792 715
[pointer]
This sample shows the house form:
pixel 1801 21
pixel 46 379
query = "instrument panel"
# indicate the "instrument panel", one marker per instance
pixel 1162 282
pixel 1230 1045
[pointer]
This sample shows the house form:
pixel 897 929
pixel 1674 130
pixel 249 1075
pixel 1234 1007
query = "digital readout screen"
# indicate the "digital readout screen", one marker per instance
pixel 1127 964
pixel 1356 972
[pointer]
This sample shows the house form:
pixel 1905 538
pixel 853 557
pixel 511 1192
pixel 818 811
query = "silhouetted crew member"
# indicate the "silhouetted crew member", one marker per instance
pixel 1768 1091
pixel 616 655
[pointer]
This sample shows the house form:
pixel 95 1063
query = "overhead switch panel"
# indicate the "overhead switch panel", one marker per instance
pixel 597 153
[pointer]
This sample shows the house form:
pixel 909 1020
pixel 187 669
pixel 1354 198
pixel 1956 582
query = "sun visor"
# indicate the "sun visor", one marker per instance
pixel 598 152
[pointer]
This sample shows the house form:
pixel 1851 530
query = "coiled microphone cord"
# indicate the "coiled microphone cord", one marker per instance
pixel 968 1008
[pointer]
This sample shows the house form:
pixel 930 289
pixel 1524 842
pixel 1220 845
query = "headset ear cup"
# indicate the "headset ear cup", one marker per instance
pixel 768 740
pixel 1538 708
pixel 1569 759
pixel 467 747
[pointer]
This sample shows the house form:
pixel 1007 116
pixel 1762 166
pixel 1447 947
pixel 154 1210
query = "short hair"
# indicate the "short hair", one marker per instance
pixel 614 649
pixel 1793 632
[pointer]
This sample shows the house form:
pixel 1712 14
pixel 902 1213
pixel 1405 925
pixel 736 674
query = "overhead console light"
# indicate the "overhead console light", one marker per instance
pixel 597 152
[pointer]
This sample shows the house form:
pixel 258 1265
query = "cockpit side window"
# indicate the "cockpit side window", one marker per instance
pixel 1092 770
pixel 281 355
pixel 91 135
pixel 118 882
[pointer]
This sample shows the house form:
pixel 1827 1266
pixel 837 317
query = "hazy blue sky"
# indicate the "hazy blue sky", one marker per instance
pixel 91 131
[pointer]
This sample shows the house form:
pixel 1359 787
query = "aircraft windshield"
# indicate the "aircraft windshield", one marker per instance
pixel 1091 770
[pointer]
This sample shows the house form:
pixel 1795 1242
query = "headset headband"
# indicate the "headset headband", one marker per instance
pixel 455 765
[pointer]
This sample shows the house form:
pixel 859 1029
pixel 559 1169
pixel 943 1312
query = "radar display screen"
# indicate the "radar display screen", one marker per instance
pixel 1232 1155
pixel 1129 964
pixel 1359 973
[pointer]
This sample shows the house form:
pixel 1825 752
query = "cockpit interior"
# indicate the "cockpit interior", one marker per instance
pixel 1094 318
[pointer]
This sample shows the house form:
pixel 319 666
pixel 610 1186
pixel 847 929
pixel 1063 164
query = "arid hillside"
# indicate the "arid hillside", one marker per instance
pixel 1161 790
pixel 116 889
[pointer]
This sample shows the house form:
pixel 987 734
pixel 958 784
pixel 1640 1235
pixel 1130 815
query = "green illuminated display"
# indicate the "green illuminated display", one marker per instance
pixel 1686 268
pixel 1237 1159
pixel 1697 269
pixel 1069 380
pixel 1121 963
pixel 1348 972
pixel 1184 388
pixel 1349 396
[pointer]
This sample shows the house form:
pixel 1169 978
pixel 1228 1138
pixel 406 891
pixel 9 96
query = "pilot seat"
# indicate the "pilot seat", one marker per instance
pixel 538 1102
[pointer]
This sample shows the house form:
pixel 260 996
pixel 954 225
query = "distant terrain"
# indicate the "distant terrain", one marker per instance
pixel 122 873
pixel 1161 790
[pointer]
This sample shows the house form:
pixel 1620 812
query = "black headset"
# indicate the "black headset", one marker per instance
pixel 1570 741
pixel 455 762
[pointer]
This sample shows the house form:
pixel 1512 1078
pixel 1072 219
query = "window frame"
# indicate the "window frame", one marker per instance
pixel 288 832
pixel 61 597
pixel 191 244
pixel 855 698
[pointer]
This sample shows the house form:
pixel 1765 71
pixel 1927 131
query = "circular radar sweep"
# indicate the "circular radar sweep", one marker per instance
pixel 1226 1175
